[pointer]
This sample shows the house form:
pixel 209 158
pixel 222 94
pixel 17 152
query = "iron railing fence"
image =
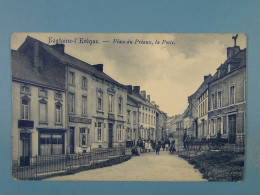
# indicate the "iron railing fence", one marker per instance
pixel 42 165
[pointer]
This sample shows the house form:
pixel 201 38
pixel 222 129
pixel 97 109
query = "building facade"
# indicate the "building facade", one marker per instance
pixel 38 103
pixel 227 102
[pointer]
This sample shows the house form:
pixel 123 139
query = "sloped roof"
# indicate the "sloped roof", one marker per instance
pixel 140 99
pixel 70 60
pixel 22 70
pixel 238 60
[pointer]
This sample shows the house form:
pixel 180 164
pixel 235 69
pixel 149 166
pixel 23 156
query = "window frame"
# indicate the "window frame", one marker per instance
pixel 28 105
pixel 234 94
pixel 61 112
pixel 40 89
pixel 102 100
pixel 84 105
pixel 219 101
pixel 44 102
pixel 72 78
pixel 71 103
pixel 84 83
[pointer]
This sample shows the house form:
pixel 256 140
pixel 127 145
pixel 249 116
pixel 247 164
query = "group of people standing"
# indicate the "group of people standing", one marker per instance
pixel 165 146
pixel 148 146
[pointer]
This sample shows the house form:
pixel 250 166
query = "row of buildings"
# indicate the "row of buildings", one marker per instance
pixel 218 106
pixel 62 105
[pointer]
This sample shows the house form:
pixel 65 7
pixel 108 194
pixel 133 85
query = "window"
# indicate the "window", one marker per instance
pixel 58 96
pixel 72 78
pixel 100 101
pixel 120 105
pixel 143 118
pixel 110 103
pixel 140 116
pixel 25 108
pixel 82 138
pixel 84 83
pixel 134 117
pixel 99 131
pixel 213 101
pixel 232 95
pixel 84 105
pixel 51 143
pixel 25 89
pixel 224 125
pixel 119 132
pixel 128 116
pixel 43 92
pixel 58 113
pixel 43 111
pixel 219 99
pixel 146 118
pixel 71 103
pixel 213 126
pixel 219 125
pixel 229 67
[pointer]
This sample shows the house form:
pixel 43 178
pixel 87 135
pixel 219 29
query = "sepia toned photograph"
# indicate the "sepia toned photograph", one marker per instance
pixel 128 106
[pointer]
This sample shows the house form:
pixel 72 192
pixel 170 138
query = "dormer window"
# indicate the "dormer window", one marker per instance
pixel 218 73
pixel 229 68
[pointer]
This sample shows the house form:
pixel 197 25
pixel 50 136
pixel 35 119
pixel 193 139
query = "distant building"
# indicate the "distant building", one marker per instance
pixel 146 113
pixel 132 122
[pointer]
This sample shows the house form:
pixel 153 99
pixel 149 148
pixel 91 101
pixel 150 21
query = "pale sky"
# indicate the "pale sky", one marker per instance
pixel 169 73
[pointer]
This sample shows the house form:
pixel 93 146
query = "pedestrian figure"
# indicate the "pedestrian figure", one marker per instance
pixel 157 148
pixel 163 146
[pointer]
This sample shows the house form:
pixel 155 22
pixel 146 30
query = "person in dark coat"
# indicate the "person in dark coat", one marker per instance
pixel 157 148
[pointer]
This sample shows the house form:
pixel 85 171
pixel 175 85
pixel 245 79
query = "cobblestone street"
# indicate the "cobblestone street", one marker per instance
pixel 146 167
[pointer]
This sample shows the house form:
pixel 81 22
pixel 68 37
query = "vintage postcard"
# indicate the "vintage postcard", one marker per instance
pixel 128 107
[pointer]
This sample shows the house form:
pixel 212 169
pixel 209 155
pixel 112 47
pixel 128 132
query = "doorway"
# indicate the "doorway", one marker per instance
pixel 232 128
pixel 71 144
pixel 110 135
pixel 25 139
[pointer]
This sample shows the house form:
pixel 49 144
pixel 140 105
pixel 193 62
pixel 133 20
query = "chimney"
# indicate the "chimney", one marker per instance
pixel 36 57
pixel 143 94
pixel 59 47
pixel 129 89
pixel 99 67
pixel 148 98
pixel 136 89
pixel 231 51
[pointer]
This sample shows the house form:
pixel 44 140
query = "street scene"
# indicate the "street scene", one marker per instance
pixel 128 107
pixel 162 167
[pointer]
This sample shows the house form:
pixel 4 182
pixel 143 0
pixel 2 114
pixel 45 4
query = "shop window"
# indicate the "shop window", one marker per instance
pixel 82 138
pixel 51 143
